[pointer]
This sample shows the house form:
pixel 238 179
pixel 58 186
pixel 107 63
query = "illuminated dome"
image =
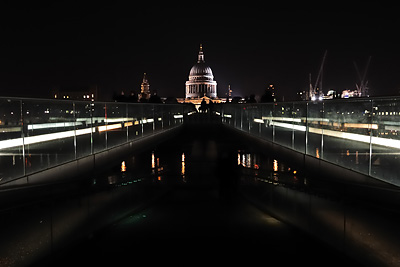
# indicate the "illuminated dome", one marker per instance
pixel 201 80
pixel 201 71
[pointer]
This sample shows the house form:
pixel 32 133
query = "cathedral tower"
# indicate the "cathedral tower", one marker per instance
pixel 201 80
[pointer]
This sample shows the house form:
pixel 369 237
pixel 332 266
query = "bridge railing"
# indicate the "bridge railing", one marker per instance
pixel 38 134
pixel 359 134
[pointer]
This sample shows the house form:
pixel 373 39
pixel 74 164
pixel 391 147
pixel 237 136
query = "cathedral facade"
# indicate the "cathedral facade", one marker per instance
pixel 201 80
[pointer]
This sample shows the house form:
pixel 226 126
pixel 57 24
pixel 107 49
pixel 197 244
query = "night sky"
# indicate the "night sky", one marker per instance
pixel 71 45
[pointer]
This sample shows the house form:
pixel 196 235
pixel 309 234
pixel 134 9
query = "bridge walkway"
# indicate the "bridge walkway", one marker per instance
pixel 194 225
pixel 202 220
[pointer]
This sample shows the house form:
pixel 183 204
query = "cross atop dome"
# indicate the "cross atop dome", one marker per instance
pixel 201 55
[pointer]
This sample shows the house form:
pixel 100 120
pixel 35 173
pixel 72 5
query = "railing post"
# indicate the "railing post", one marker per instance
pixel 273 124
pixel 162 118
pixel 126 121
pixel 292 115
pixel 141 106
pixel 322 131
pixel 260 116
pixel 74 118
pixel 370 139
pixel 154 121
pixel 249 120
pixel 241 118
pixel 306 150
pixel 106 123
pixel 91 126
pixel 22 135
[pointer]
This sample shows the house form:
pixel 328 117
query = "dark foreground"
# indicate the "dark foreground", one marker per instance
pixel 193 226
pixel 202 219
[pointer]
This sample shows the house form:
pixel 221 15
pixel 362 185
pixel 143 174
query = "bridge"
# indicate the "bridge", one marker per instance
pixel 92 182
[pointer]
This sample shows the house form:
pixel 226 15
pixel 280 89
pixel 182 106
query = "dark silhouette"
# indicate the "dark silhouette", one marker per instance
pixel 154 98
pixel 251 99
pixel 211 106
pixel 267 97
pixel 236 100
pixel 171 100
pixel 203 106
pixel 228 172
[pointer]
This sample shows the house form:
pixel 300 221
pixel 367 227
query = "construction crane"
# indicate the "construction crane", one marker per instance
pixel 362 88
pixel 313 94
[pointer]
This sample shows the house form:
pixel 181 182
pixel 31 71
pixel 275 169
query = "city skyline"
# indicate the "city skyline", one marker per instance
pixel 248 48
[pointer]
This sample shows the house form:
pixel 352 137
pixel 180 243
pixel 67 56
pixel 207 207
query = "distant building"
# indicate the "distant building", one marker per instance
pixel 79 93
pixel 269 94
pixel 144 89
pixel 331 94
pixel 271 88
pixel 201 80
pixel 201 84
pixel 350 93
pixel 302 95
pixel 229 94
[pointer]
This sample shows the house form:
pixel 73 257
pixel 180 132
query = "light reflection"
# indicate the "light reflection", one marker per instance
pixel 248 161
pixel 153 162
pixel 275 166
pixel 156 168
pixel 183 168
pixel 123 166
pixel 357 162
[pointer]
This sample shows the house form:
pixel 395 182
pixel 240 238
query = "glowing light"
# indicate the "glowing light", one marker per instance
pixel 275 166
pixel 178 116
pixel 393 143
pixel 361 125
pixel 153 160
pixel 123 166
pixel 183 167
pixel 52 125
pixel 248 161
pixel 109 127
pixel 43 138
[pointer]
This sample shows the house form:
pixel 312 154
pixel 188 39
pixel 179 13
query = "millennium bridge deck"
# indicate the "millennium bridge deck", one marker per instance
pixel 162 183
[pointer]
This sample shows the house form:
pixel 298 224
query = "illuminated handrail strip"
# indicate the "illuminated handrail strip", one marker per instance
pixel 39 126
pixel 322 121
pixel 4 144
pixel 43 138
pixel 392 143
pixel 109 127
